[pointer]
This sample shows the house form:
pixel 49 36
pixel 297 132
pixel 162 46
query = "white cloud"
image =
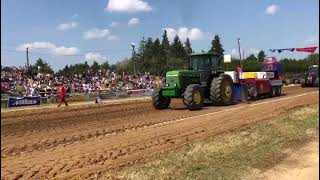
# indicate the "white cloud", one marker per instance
pixel 50 47
pixel 184 33
pixel 66 26
pixel 312 40
pixel 113 37
pixel 96 33
pixel 128 6
pixel 272 9
pixel 171 33
pixel 36 45
pixel 133 21
pixel 66 51
pixel 114 24
pixel 94 56
pixel 195 33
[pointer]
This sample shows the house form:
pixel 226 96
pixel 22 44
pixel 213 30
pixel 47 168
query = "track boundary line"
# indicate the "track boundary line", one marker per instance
pixel 231 109
pixel 217 112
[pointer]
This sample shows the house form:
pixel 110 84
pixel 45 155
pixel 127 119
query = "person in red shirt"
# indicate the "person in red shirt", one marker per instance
pixel 62 95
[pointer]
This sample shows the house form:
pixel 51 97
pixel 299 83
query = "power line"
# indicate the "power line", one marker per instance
pixel 102 50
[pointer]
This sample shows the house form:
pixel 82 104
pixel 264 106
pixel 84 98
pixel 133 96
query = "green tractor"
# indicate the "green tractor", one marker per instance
pixel 203 81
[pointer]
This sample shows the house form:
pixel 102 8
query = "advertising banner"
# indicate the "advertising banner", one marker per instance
pixel 24 101
pixel 140 92
pixel 107 95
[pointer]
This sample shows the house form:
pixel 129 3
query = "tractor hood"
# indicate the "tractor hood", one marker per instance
pixel 178 80
pixel 184 73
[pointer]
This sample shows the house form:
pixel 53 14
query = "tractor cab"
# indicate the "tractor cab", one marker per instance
pixel 205 64
pixel 313 70
pixel 311 77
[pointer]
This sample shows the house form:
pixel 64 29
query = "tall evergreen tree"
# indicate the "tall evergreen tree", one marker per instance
pixel 252 57
pixel 165 41
pixel 66 71
pixel 187 45
pixel 156 57
pixel 216 46
pixel 86 65
pixel 95 66
pixel 141 48
pixel 146 65
pixel 261 56
pixel 165 48
pixel 177 54
pixel 43 65
pixel 177 49
pixel 105 65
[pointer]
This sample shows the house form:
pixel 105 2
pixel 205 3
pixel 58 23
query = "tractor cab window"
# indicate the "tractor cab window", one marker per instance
pixel 215 61
pixel 205 63
pixel 193 64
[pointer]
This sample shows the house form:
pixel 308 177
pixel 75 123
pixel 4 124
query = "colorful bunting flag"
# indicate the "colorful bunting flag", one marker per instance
pixel 307 49
pixel 272 50
pixel 286 49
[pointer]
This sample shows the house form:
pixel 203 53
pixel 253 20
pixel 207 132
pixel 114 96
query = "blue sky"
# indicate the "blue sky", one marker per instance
pixel 69 32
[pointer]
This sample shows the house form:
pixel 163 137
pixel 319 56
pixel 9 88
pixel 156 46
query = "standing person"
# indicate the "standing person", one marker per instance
pixel 62 95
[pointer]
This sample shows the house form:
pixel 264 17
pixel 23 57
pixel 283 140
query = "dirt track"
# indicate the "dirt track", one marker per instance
pixel 91 140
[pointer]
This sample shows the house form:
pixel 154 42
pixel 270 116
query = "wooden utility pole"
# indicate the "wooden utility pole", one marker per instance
pixel 242 54
pixel 134 59
pixel 239 52
pixel 27 53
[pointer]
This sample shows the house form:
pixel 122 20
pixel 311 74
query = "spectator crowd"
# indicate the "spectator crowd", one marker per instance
pixel 15 81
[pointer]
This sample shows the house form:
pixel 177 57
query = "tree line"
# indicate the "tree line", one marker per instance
pixel 159 56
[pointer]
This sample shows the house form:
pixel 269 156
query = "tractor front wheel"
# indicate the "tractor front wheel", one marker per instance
pixel 159 101
pixel 193 97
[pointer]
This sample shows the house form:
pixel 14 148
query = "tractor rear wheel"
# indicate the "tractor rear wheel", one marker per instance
pixel 278 91
pixel 193 97
pixel 273 92
pixel 159 101
pixel 221 90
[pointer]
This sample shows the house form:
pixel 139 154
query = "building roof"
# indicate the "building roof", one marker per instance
pixel 203 54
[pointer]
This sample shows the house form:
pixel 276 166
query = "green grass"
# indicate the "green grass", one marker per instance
pixel 231 155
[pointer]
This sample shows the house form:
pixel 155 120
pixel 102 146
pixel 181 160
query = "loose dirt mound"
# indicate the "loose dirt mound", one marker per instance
pixel 90 140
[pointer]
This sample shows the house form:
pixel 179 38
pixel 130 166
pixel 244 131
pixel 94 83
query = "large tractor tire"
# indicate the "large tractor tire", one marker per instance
pixel 159 101
pixel 273 92
pixel 193 97
pixel 316 82
pixel 278 91
pixel 252 92
pixel 221 90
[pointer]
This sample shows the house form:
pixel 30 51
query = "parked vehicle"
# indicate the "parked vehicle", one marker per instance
pixel 311 78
